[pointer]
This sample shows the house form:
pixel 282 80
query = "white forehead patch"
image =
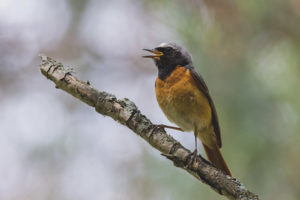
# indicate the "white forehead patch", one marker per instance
pixel 164 44
pixel 177 48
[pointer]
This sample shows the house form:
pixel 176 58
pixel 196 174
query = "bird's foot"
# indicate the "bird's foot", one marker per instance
pixel 192 159
pixel 166 126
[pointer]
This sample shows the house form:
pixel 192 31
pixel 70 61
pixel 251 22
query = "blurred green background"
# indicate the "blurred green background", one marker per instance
pixel 54 147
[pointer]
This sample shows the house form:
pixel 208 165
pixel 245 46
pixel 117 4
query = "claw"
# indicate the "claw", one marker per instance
pixel 193 159
pixel 166 126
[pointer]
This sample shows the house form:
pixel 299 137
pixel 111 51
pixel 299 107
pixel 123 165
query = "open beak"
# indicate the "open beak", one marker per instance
pixel 156 56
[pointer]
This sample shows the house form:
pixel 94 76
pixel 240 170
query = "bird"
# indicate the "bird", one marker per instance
pixel 184 98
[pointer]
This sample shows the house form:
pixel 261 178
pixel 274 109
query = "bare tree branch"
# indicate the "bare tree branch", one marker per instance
pixel 126 112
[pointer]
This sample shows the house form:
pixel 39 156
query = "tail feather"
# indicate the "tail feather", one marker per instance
pixel 214 155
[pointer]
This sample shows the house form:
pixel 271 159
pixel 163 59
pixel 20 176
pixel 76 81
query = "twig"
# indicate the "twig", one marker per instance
pixel 126 112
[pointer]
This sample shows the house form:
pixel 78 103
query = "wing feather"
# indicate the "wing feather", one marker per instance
pixel 203 87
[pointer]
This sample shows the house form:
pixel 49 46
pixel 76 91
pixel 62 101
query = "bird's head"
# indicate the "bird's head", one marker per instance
pixel 169 54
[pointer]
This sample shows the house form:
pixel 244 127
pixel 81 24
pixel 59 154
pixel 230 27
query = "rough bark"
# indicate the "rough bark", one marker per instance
pixel 126 112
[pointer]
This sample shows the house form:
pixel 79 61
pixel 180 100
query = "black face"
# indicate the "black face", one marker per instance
pixel 167 56
pixel 170 56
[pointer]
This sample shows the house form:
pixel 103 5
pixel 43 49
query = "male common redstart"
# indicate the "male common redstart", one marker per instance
pixel 184 98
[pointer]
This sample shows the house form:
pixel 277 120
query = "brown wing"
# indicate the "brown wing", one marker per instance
pixel 202 86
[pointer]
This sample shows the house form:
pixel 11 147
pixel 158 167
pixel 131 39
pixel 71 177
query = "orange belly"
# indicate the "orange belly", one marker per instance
pixel 182 102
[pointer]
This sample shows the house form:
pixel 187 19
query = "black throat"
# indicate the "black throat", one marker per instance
pixel 165 69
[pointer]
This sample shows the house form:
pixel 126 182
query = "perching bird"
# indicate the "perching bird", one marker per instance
pixel 185 100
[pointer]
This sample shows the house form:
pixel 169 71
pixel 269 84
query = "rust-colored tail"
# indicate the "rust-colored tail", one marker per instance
pixel 214 155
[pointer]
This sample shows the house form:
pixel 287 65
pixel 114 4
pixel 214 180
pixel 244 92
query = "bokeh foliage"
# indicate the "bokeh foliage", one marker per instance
pixel 247 52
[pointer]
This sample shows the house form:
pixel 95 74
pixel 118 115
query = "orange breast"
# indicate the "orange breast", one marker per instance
pixel 182 102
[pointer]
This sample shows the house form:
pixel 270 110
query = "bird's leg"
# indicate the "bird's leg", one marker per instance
pixel 196 144
pixel 166 126
pixel 195 152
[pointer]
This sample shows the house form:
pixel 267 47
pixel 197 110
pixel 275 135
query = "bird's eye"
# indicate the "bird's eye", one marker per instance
pixel 167 50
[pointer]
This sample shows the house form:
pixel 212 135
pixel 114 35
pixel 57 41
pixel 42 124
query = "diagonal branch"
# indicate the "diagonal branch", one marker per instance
pixel 126 112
